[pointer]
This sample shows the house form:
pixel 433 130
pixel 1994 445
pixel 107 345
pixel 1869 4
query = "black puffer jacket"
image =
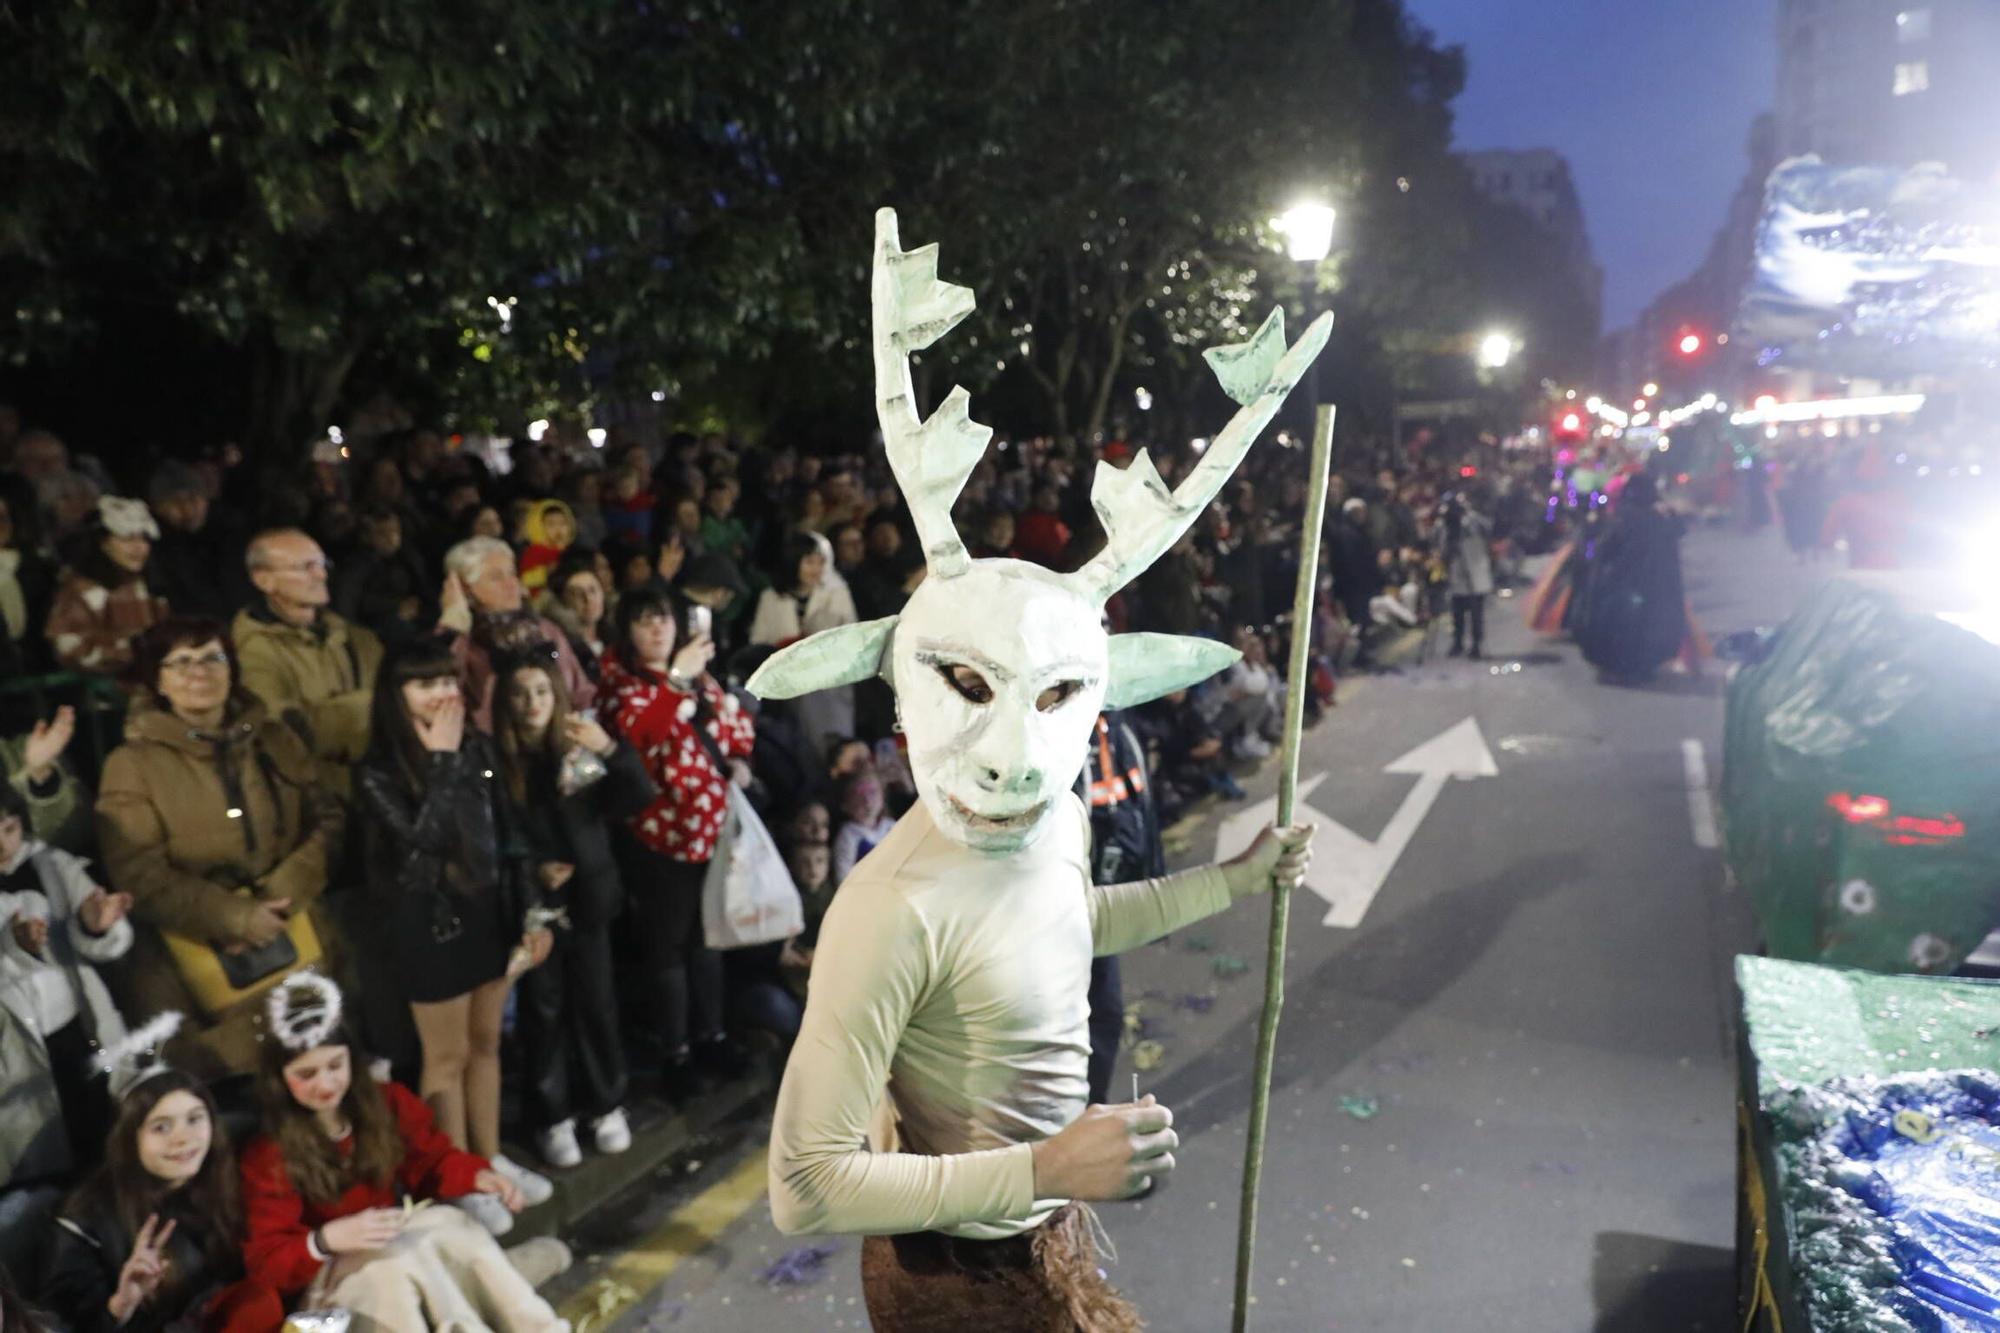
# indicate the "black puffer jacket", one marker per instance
pixel 576 830
pixel 88 1251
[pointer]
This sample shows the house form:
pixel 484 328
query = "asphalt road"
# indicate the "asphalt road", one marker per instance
pixel 1504 1100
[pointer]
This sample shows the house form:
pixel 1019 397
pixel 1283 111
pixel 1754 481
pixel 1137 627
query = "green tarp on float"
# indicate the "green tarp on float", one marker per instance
pixel 1807 1024
pixel 1861 778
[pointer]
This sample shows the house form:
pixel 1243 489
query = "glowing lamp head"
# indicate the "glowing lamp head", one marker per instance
pixel 1495 349
pixel 1308 231
pixel 1690 344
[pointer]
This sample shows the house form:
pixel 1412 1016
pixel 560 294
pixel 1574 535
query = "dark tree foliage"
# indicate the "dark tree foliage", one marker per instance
pixel 260 214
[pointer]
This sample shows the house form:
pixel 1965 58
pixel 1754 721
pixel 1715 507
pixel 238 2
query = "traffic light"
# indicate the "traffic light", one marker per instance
pixel 1691 343
pixel 1569 425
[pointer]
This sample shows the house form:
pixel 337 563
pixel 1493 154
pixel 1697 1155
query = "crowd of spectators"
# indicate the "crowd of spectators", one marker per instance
pixel 463 738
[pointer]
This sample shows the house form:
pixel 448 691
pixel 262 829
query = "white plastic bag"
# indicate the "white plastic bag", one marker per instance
pixel 748 896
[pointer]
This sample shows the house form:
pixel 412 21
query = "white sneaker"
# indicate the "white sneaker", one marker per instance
pixel 488 1211
pixel 612 1133
pixel 535 1189
pixel 557 1145
pixel 540 1260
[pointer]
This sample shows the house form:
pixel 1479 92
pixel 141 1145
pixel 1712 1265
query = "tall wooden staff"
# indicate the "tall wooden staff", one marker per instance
pixel 1281 894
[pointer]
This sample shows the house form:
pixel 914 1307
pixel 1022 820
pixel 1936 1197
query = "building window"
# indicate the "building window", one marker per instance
pixel 1913 25
pixel 1912 76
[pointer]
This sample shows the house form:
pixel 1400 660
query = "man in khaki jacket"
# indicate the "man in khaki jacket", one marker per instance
pixel 300 658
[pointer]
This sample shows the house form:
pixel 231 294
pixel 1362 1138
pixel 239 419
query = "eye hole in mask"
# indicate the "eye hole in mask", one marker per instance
pixel 1056 695
pixel 969 683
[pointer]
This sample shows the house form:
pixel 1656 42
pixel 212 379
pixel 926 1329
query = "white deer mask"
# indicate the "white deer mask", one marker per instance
pixel 1000 667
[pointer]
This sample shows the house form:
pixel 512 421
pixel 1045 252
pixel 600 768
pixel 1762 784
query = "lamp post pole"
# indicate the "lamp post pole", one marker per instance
pixel 1309 277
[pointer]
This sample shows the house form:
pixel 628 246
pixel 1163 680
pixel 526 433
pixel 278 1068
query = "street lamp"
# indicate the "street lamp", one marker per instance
pixel 1495 350
pixel 1308 231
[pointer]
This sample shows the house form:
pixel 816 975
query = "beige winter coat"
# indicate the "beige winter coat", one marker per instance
pixel 325 673
pixel 169 841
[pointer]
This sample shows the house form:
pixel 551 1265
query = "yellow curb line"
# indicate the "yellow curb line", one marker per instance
pixel 692 1228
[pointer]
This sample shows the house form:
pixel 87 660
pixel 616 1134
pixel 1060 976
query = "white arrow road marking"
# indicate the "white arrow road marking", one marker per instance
pixel 1347 869
pixel 1701 805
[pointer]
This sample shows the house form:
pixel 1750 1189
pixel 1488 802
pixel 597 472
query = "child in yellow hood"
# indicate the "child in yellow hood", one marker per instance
pixel 550 529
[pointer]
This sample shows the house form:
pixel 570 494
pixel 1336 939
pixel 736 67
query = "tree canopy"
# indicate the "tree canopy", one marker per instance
pixel 533 205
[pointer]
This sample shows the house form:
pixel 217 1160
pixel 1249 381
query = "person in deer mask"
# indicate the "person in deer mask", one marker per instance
pixel 954 965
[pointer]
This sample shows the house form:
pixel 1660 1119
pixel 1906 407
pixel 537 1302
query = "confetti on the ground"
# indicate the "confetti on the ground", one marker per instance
pixel 1229 965
pixel 1147 1055
pixel 669 1312
pixel 1361 1108
pixel 800 1267
pixel 609 1297
pixel 1199 1004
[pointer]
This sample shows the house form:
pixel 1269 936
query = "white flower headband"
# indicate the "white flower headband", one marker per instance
pixel 136 1058
pixel 303 1010
pixel 126 518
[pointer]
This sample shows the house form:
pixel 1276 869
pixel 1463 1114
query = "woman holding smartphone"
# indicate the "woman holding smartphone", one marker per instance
pixel 694 738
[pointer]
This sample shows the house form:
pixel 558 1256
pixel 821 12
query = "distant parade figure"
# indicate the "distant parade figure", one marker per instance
pixel 1468 556
pixel 1631 615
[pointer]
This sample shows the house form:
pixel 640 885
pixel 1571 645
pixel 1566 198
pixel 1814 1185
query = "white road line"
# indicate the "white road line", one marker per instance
pixel 1701 805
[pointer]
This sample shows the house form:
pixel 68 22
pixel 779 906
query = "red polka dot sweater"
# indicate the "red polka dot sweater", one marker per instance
pixel 685 819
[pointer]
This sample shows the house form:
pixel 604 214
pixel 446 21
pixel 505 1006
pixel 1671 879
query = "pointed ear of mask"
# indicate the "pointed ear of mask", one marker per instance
pixel 1143 667
pixel 821 661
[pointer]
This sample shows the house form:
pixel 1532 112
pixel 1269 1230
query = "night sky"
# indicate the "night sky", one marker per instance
pixel 1651 103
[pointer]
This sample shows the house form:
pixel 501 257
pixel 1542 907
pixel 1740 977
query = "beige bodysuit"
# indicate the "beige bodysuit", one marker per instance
pixel 959 981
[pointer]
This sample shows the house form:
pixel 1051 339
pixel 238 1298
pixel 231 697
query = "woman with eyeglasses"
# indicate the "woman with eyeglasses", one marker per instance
pixel 213 817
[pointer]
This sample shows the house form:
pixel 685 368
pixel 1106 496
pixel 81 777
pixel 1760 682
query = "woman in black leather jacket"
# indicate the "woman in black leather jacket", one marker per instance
pixel 561 803
pixel 439 848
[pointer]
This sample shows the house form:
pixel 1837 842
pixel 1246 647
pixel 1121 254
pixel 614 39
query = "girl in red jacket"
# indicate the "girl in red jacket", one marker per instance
pixel 336 1188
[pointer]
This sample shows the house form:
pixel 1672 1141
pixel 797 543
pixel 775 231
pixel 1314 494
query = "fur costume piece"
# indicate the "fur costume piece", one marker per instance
pixel 1043 1281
